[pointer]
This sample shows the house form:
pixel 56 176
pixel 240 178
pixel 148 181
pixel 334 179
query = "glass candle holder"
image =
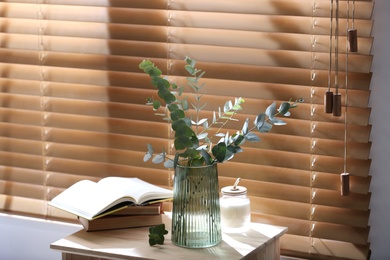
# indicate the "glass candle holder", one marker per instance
pixel 235 209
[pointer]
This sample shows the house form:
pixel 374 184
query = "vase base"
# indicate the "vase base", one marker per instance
pixel 196 240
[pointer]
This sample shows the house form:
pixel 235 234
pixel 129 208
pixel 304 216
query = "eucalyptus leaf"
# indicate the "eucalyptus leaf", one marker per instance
pixel 181 123
pixel 149 153
pixel 160 83
pixel 147 157
pixel 277 121
pixel 234 149
pixel 190 153
pixel 206 125
pixel 184 105
pixel 183 142
pixel 149 101
pixel 200 122
pixel 271 110
pixel 173 107
pixel 166 95
pixel 177 114
pixel 283 108
pixel 200 76
pixel 238 139
pixel 180 91
pixel 191 80
pixel 150 148
pixel 169 164
pixel 190 69
pixel 245 126
pixel 190 61
pixel 184 130
pixel 260 118
pixel 228 106
pixel 259 124
pixel 159 158
pixel 197 161
pixel 202 147
pixel 202 136
pixel 265 128
pixel 219 151
pixel 148 67
pixel 252 137
pixel 156 104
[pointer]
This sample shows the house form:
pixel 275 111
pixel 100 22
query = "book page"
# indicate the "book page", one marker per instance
pixel 138 189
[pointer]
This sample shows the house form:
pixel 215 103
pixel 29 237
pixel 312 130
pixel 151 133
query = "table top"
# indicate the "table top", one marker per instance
pixel 133 243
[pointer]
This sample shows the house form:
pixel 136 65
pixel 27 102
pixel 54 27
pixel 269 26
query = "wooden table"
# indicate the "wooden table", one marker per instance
pixel 261 242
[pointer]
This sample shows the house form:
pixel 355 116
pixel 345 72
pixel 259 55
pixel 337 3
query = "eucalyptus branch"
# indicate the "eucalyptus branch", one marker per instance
pixel 227 116
pixel 186 140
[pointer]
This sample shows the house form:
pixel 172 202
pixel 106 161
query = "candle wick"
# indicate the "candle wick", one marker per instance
pixel 236 183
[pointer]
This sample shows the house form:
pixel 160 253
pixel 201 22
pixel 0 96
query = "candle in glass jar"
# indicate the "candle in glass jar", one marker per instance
pixel 235 209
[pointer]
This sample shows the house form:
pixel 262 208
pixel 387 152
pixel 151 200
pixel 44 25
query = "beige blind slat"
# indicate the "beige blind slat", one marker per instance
pixel 288 7
pixel 303 247
pixel 261 90
pixel 341 216
pixel 292 76
pixel 20 160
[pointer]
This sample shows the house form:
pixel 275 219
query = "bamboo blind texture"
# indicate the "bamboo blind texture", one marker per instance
pixel 73 104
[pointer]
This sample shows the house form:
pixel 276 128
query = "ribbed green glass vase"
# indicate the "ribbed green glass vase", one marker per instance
pixel 196 217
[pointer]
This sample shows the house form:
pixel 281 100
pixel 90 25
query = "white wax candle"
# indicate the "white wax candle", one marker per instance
pixel 235 214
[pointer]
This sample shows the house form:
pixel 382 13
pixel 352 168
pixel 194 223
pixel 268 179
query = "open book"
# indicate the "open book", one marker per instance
pixel 92 200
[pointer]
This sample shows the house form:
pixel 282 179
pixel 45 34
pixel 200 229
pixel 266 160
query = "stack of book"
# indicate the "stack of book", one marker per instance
pixel 128 217
pixel 113 202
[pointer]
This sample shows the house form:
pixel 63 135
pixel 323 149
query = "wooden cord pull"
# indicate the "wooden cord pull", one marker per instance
pixel 352 40
pixel 337 104
pixel 344 179
pixel 328 102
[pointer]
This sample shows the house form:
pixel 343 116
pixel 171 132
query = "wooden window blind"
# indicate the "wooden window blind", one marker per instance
pixel 73 104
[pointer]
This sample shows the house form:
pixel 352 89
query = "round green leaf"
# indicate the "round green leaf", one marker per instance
pixel 219 151
pixel 166 95
pixel 177 114
pixel 156 104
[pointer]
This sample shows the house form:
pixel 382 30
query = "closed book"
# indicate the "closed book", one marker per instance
pixel 150 209
pixel 118 222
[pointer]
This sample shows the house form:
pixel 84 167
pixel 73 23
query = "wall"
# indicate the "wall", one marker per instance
pixel 380 136
pixel 29 239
